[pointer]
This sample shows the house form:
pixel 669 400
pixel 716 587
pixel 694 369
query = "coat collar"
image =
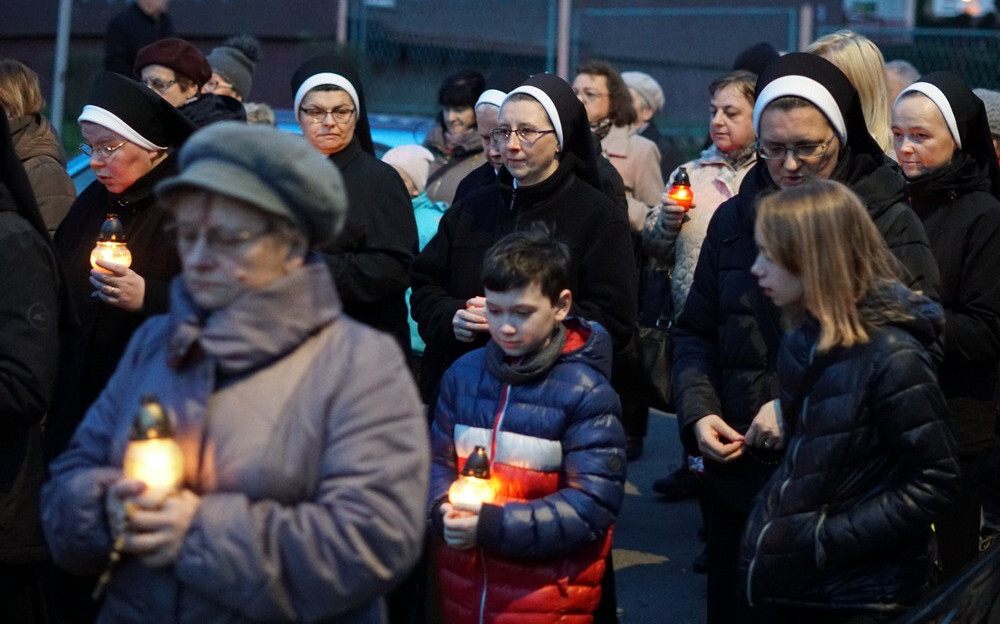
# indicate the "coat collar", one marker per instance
pixel 259 327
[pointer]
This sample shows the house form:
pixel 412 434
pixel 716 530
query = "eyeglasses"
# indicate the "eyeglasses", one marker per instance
pixel 159 85
pixel 527 136
pixel 217 240
pixel 318 115
pixel 806 151
pixel 589 94
pixel 103 152
pixel 212 85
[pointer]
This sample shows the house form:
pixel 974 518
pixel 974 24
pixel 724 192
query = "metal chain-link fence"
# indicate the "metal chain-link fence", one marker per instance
pixel 405 49
pixel 973 54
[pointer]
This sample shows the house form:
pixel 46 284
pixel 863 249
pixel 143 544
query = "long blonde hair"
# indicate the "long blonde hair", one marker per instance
pixel 821 233
pixel 863 64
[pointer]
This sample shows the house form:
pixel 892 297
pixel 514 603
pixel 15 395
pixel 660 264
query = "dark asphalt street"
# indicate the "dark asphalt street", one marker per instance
pixel 655 541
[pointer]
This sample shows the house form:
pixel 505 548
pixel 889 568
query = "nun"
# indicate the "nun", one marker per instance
pixel 809 125
pixel 498 85
pixel 942 138
pixel 550 175
pixel 131 135
pixel 370 260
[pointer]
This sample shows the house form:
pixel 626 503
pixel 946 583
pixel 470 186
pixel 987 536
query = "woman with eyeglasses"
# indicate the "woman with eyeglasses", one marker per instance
pixel 942 138
pixel 809 125
pixel 550 174
pixel 371 258
pixel 304 442
pixel 131 135
pixel 177 71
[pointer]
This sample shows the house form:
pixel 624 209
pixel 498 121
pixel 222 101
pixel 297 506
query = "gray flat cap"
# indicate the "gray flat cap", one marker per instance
pixel 275 171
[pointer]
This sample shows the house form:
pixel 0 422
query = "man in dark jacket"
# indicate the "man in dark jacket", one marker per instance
pixel 142 23
pixel 809 125
pixel 29 353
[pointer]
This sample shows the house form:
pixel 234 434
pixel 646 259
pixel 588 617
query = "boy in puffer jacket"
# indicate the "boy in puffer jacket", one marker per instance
pixel 538 400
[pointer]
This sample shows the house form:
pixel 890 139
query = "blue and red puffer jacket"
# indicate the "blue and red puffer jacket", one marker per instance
pixel 558 463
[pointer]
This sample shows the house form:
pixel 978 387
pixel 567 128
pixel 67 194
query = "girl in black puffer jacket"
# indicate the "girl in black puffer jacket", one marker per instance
pixel 842 530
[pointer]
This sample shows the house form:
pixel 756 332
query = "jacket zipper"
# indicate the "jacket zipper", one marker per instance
pixel 497 421
pixel 781 491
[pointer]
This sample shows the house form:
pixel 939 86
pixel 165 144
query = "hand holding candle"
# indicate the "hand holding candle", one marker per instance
pixel 680 190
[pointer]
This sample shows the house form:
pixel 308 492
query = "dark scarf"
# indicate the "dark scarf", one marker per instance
pixel 530 367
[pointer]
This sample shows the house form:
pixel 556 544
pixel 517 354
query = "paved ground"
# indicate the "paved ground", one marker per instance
pixel 655 541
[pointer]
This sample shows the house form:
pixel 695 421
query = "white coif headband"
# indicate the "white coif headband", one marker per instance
pixel 103 117
pixel 317 80
pixel 547 103
pixel 493 97
pixel 937 96
pixel 807 89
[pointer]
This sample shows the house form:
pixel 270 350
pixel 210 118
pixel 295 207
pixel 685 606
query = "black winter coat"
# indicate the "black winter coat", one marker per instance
pixel 726 339
pixel 962 220
pixel 28 361
pixel 447 272
pixel 845 520
pixel 370 260
pixel 91 353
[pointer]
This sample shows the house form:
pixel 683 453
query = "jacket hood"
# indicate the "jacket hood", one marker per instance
pixel 576 341
pixel 33 136
pixel 893 304
pixel 595 350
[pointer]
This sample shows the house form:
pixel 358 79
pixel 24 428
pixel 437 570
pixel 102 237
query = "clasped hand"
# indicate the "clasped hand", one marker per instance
pixel 721 443
pixel 153 525
pixel 461 521
pixel 470 320
pixel 118 285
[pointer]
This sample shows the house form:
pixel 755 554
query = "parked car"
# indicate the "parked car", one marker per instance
pixel 387 131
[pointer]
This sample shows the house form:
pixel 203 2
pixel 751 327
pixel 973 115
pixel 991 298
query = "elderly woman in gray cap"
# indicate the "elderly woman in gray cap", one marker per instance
pixel 303 439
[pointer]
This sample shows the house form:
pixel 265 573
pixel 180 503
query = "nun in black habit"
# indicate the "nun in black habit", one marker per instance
pixel 809 124
pixel 555 180
pixel 371 259
pixel 942 139
pixel 131 135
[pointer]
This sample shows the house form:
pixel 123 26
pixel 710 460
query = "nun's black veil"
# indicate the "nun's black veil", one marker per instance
pixel 343 66
pixel 973 125
pixel 578 150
